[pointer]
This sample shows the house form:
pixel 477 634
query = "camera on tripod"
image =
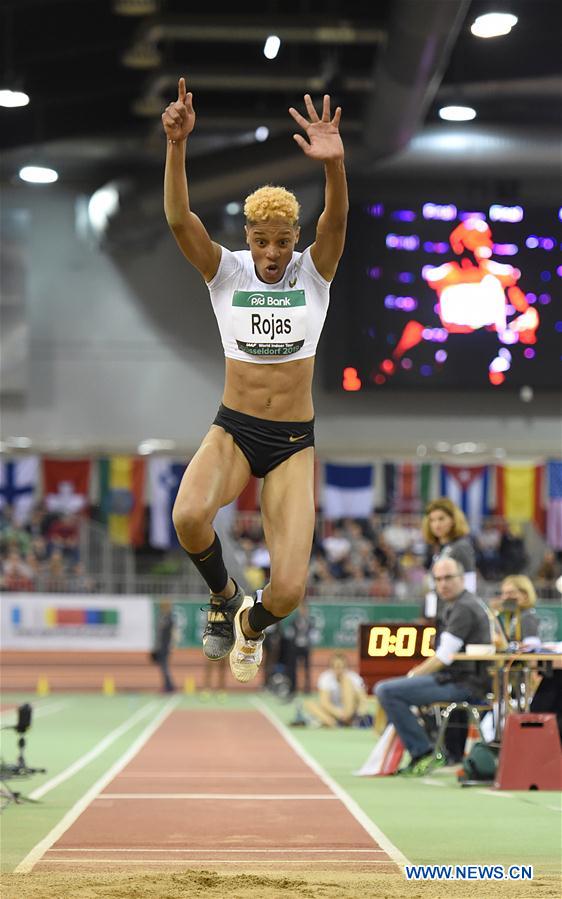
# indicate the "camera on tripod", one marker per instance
pixel 20 768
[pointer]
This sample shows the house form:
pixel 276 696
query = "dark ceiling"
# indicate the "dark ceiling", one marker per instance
pixel 98 80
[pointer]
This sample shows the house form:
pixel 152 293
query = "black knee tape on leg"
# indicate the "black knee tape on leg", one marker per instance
pixel 211 566
pixel 259 618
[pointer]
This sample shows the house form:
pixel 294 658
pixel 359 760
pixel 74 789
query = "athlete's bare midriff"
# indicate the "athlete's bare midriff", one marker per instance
pixel 279 391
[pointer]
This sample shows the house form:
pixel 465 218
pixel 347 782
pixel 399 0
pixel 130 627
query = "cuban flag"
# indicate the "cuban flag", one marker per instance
pixel 468 487
pixel 348 491
pixel 18 483
pixel 164 476
pixel 554 504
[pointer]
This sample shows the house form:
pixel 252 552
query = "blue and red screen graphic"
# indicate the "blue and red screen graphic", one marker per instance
pixel 438 294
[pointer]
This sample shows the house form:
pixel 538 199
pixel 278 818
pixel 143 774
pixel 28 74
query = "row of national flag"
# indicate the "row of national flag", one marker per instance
pixel 123 486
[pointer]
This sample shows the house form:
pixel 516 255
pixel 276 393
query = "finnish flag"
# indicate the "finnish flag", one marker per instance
pixel 164 477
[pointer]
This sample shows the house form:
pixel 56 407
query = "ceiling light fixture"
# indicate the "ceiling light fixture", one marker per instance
pixel 142 56
pixel 271 46
pixel 38 174
pixel 11 99
pixel 457 113
pixel 493 24
pixel 135 7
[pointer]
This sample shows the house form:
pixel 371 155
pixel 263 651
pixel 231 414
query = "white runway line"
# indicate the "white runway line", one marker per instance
pixel 216 775
pixel 35 854
pixel 38 710
pixel 351 805
pixel 276 797
pixel 93 753
pixel 222 851
pixel 215 861
pixel 429 782
pixel 503 794
pixel 49 709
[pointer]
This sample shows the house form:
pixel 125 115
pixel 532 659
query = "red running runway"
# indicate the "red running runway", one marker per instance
pixel 219 790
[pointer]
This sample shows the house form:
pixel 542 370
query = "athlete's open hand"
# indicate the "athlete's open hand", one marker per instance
pixel 324 142
pixel 178 118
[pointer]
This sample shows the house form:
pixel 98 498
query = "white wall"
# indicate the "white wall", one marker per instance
pixel 125 347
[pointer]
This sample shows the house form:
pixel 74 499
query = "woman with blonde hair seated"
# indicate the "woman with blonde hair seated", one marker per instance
pixel 515 608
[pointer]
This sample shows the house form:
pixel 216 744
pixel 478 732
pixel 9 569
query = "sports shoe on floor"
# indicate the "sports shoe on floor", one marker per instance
pixel 428 764
pixel 218 636
pixel 245 658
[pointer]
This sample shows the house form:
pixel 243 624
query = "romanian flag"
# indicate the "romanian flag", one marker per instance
pixel 519 492
pixel 122 498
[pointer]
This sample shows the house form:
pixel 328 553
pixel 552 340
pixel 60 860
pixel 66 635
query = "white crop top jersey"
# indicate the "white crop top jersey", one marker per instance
pixel 261 322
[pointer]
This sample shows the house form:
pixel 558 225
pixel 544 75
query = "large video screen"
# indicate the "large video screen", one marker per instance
pixel 442 295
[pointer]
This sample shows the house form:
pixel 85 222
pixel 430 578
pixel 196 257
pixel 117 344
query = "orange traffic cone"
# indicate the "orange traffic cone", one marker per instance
pixel 472 737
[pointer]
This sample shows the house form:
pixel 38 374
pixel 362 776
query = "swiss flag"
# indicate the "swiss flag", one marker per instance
pixel 66 485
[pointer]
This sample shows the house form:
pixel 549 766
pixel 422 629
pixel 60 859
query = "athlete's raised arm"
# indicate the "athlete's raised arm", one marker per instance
pixel 325 145
pixel 178 120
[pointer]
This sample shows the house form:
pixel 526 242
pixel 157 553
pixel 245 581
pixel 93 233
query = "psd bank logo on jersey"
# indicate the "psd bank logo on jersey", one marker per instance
pixel 259 299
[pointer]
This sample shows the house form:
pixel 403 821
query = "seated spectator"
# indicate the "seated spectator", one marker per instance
pixel 38 523
pixel 79 581
pixel 387 557
pixel 512 550
pixel 413 572
pixel 63 534
pixel 465 620
pixel 342 698
pixel 337 549
pixel 547 574
pixel 516 609
pixel 383 586
pixel 399 535
pixel 353 531
pixel 321 581
pixel 17 575
pixel 55 579
pixel 488 551
pixel 11 536
pixel 39 549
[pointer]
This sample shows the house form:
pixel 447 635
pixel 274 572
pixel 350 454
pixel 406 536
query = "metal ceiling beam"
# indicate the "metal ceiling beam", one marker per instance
pixel 164 86
pixel 233 30
pixel 547 87
pixel 409 70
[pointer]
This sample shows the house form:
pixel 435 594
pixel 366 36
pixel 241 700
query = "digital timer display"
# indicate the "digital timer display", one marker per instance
pixel 404 642
pixel 391 650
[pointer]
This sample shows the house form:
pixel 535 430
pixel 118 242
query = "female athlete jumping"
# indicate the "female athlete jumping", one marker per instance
pixel 270 303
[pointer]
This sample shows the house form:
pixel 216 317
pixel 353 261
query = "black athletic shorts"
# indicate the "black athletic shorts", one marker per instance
pixel 265 443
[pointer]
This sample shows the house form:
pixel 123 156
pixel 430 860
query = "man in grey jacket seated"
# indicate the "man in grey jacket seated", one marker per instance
pixel 466 620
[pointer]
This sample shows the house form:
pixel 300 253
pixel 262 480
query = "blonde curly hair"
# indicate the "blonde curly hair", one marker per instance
pixel 271 202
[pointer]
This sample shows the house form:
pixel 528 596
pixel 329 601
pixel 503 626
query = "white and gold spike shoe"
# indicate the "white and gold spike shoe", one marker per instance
pixel 246 655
